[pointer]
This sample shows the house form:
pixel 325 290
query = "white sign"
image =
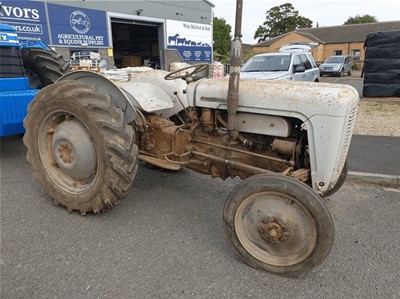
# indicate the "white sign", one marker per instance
pixel 188 34
pixel 193 41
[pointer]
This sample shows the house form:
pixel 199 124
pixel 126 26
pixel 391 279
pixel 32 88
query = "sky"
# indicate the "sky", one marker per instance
pixel 325 12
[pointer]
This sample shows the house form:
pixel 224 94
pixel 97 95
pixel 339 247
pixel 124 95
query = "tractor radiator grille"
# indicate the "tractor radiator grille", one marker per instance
pixel 347 137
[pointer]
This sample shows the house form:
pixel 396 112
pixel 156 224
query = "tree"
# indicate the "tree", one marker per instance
pixel 279 20
pixel 221 37
pixel 361 19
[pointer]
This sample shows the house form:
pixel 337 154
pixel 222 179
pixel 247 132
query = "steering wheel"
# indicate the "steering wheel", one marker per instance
pixel 197 69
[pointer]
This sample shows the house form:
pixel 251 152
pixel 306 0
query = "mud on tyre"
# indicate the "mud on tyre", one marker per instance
pixel 80 149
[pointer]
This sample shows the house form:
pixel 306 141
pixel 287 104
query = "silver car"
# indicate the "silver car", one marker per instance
pixel 299 66
pixel 337 65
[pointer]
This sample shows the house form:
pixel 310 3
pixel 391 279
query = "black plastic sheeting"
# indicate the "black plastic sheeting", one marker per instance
pixel 382 64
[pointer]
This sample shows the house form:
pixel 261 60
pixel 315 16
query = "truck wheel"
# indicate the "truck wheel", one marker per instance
pixel 43 67
pixel 340 182
pixel 80 149
pixel 278 224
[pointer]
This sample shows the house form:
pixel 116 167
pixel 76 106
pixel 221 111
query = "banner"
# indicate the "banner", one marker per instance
pixel 193 41
pixel 28 19
pixel 76 27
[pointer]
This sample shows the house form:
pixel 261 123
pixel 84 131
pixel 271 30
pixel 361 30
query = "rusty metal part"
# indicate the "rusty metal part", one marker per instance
pixel 286 162
pixel 234 77
pixel 302 174
pixel 275 228
pixel 232 164
pixel 246 142
pixel 160 162
pixel 285 147
pixel 207 120
pixel 159 136
pixel 172 146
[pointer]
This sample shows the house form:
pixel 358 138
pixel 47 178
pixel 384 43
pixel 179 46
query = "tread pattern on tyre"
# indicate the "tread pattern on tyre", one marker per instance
pixel 115 138
pixel 47 66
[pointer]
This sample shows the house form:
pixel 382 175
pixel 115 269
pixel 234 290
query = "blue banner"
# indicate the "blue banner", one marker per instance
pixel 76 27
pixel 28 19
pixel 194 53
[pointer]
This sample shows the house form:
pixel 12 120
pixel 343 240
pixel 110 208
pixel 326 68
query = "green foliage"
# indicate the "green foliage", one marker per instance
pixel 221 37
pixel 279 20
pixel 247 54
pixel 361 20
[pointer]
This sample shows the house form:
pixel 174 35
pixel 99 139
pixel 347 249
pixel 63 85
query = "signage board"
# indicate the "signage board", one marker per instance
pixel 28 19
pixel 76 27
pixel 193 41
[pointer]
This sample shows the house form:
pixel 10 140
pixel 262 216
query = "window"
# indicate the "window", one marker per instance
pixel 296 60
pixel 356 54
pixel 305 61
pixel 267 63
pixel 337 52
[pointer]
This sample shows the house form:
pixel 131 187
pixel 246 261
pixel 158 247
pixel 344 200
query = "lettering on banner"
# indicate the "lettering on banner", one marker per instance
pixel 18 12
pixel 78 39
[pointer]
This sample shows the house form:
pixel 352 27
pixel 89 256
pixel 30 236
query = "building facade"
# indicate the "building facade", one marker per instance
pixel 332 40
pixel 124 33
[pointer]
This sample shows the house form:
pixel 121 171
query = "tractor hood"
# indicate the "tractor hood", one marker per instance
pixel 289 98
pixel 328 113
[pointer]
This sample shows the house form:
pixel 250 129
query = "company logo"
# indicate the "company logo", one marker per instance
pixel 79 22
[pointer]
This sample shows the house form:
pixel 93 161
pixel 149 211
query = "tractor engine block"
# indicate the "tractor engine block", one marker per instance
pixel 204 146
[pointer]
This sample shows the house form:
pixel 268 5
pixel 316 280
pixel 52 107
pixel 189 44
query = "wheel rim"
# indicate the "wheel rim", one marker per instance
pixel 68 152
pixel 275 228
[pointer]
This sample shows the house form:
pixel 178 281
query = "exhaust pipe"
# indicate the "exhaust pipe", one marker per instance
pixel 234 76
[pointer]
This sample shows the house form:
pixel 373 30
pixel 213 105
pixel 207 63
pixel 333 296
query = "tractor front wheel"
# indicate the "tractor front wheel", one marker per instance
pixel 278 224
pixel 80 149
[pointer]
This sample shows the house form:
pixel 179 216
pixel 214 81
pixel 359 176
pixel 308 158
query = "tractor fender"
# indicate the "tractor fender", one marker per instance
pixel 119 97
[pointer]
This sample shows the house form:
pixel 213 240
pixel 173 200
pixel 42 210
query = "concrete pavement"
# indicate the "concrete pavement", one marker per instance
pixel 166 240
pixel 375 159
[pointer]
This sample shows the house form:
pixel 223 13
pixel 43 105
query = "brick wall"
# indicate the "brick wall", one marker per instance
pixel 320 53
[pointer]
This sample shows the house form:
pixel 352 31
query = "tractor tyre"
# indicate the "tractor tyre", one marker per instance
pixel 43 67
pixel 278 224
pixel 79 147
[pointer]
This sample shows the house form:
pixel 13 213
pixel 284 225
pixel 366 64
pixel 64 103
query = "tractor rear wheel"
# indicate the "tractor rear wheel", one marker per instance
pixel 43 67
pixel 278 224
pixel 80 149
